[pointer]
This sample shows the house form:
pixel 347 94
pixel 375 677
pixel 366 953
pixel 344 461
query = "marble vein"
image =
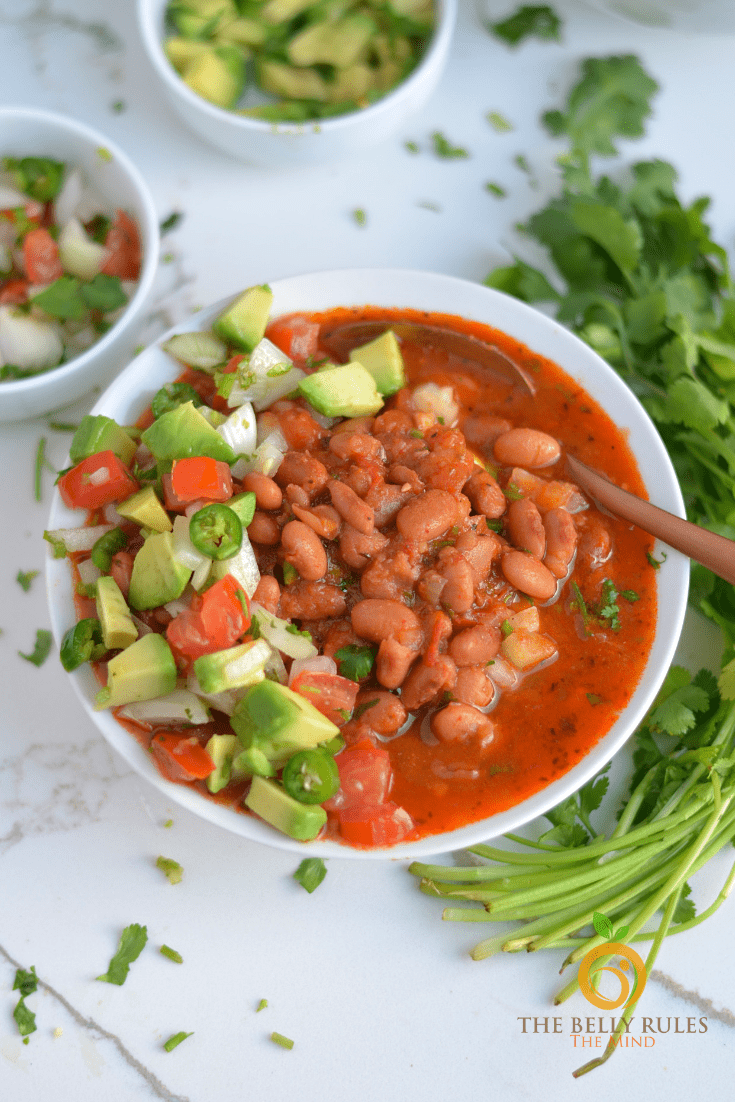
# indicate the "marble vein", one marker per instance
pixel 98 1032
pixel 706 1005
pixel 43 18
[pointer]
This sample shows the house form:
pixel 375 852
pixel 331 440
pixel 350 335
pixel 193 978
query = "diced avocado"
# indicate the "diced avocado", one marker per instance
pixel 279 11
pixel 276 721
pixel 146 510
pixel 101 434
pixel 183 432
pixel 283 80
pixel 244 322
pixel 217 74
pixel 142 671
pixel 344 390
pixel 200 18
pixel 201 350
pixel 384 360
pixel 340 42
pixel 221 749
pixel 352 83
pixel 118 628
pixel 181 51
pixel 271 802
pixel 157 576
pixel 243 32
pixel 243 505
pixel 232 668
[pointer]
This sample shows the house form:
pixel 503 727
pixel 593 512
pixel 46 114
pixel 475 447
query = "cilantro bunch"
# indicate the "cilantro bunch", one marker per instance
pixel 634 271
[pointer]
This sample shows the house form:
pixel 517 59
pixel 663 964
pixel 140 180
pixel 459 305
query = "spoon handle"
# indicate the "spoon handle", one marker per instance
pixel 715 552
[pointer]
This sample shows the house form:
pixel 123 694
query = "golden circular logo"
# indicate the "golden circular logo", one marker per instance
pixel 629 958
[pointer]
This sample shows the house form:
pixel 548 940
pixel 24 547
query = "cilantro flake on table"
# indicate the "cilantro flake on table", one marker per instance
pixel 173 220
pixel 131 945
pixel 175 1040
pixel 529 21
pixel 24 578
pixel 173 870
pixel 359 216
pixel 41 648
pixel 495 189
pixel 498 122
pixel 261 1005
pixel 310 873
pixel 443 147
pixel 279 1039
pixel 171 954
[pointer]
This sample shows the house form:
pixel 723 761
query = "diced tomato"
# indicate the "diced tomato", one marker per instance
pixel 332 695
pixel 14 293
pixel 214 621
pixel 181 757
pixel 98 480
pixel 201 478
pixel 364 777
pixel 123 248
pixel 41 256
pixel 380 825
pixel 233 363
pixel 296 336
pixel 121 569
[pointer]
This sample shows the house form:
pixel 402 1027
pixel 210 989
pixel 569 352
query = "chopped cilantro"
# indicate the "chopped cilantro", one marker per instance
pixel 537 21
pixel 498 122
pixel 495 189
pixel 172 221
pixel 175 1040
pixel 310 873
pixel 279 1039
pixel 355 661
pixel 444 148
pixel 363 707
pixel 656 563
pixel 171 954
pixel 172 869
pixel 290 573
pixel 41 648
pixel 411 147
pixel 261 1005
pixel 513 492
pixel 24 578
pixel 506 629
pixel 593 698
pixel 132 943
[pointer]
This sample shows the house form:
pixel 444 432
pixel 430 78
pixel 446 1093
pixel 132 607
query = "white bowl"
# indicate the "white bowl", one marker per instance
pixel 703 16
pixel 134 388
pixel 26 131
pixel 278 145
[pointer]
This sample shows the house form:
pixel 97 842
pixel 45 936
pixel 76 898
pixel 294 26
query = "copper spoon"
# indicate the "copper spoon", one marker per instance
pixel 715 552
pixel 343 338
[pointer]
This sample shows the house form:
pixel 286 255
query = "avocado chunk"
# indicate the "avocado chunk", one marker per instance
pixel 101 434
pixel 157 576
pixel 183 432
pixel 118 628
pixel 146 510
pixel 217 74
pixel 222 749
pixel 273 722
pixel 340 42
pixel 181 51
pixel 232 668
pixel 244 322
pixel 342 390
pixel 142 671
pixel 384 360
pixel 272 803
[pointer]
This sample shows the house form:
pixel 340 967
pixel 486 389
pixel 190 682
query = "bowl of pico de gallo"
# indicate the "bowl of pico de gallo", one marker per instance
pixel 79 244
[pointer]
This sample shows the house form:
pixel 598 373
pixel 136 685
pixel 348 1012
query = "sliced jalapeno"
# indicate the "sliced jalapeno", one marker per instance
pixel 216 531
pixel 107 546
pixel 82 643
pixel 311 776
pixel 172 395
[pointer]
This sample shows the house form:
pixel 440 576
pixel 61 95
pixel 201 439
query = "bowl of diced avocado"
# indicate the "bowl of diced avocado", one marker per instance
pixel 288 82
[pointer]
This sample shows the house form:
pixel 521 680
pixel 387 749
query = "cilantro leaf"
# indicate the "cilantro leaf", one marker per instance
pixel 172 869
pixel 41 648
pixel 103 293
pixel 444 148
pixel 537 21
pixel 355 661
pixel 62 299
pixel 132 943
pixel 25 577
pixel 25 982
pixel 310 873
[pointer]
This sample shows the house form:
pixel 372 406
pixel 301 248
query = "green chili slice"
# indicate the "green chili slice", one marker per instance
pixel 82 643
pixel 311 776
pixel 172 395
pixel 216 531
pixel 107 546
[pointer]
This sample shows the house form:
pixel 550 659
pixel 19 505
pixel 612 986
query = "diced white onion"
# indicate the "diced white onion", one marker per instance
pixel 243 566
pixel 201 574
pixel 240 430
pixel 79 255
pixel 77 199
pixel 321 663
pixel 264 377
pixel 248 667
pixel 266 459
pixel 321 418
pixel 78 539
pixel 184 550
pixel 180 708
pixel 11 198
pixel 440 401
pixel 179 604
pixel 223 702
pixel 275 630
pixel 276 667
pixel 28 342
pixel 99 477
pixel 502 673
pixel 88 572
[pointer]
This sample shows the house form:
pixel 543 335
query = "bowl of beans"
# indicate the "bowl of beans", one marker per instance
pixel 319 572
pixel 79 244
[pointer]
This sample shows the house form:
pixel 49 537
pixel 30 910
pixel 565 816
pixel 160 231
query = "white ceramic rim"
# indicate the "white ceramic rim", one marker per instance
pixel 150 235
pixel 128 394
pixel 153 41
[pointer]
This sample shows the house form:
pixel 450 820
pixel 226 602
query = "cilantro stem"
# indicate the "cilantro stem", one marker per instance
pixel 38 469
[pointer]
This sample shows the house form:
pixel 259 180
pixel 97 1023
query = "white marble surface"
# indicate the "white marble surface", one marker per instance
pixel 381 998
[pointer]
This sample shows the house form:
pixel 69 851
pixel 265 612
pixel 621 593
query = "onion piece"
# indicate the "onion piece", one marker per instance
pixel 76 539
pixel 320 663
pixel 180 708
pixel 79 255
pixel 27 342
pixel 276 632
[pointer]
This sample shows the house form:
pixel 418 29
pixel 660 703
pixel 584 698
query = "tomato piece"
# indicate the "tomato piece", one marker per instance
pixel 296 336
pixel 380 825
pixel 98 480
pixel 214 621
pixel 332 695
pixel 201 478
pixel 233 363
pixel 14 293
pixel 123 248
pixel 364 777
pixel 181 757
pixel 41 256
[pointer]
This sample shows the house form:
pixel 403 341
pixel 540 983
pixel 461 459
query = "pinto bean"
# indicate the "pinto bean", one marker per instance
pixel 480 551
pixel 526 530
pixel 268 593
pixel 461 722
pixel 380 711
pixel 357 447
pixel 351 507
pixel 268 494
pixel 428 516
pixel 303 470
pixel 304 550
pixel 485 494
pixel 393 662
pixel 524 447
pixel 312 601
pixel 351 425
pixel 393 420
pixel 357 549
pixel 296 495
pixel 424 683
pixel 325 520
pixel 376 619
pixel 483 429
pixel 386 500
pixel 561 541
pixel 473 686
pixel 264 529
pixel 459 592
pixel 528 575
pixel 400 475
pixel 389 575
pixel 339 635
pixel 475 646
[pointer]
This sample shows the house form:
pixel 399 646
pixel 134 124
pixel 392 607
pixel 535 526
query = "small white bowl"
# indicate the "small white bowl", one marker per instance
pixel 26 131
pixel 278 145
pixel 134 388
pixel 687 16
